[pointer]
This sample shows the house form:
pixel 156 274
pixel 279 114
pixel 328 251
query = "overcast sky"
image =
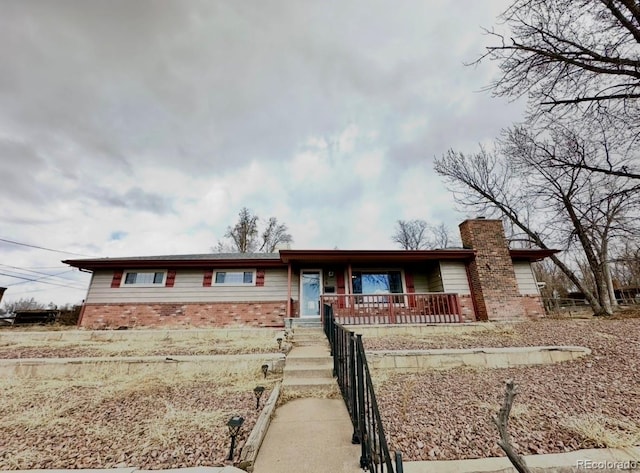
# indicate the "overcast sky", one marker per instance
pixel 142 127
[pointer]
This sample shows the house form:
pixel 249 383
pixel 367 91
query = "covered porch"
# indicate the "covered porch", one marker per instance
pixel 379 287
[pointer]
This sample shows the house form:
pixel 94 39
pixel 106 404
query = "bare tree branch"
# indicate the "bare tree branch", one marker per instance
pixel 502 423
pixel 569 53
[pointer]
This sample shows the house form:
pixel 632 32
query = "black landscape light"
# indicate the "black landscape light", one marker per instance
pixel 258 390
pixel 234 425
pixel 279 340
pixel 265 370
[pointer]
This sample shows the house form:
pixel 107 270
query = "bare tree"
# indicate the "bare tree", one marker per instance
pixel 442 236
pixel 411 234
pixel 420 235
pixel 274 234
pixel 556 284
pixel 626 270
pixel 24 303
pixel 577 60
pixel 244 233
pixel 550 205
pixel 245 237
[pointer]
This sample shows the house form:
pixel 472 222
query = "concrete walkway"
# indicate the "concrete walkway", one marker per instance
pixel 310 435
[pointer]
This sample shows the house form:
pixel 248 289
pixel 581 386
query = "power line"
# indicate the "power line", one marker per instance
pixel 42 248
pixel 28 280
pixel 12 294
pixel 38 280
pixel 40 272
pixel 45 267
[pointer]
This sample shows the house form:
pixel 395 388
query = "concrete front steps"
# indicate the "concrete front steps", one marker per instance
pixel 303 322
pixel 306 336
pixel 309 366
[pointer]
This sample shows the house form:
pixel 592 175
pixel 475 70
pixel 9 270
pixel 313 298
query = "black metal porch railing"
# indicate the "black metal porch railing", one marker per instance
pixel 354 379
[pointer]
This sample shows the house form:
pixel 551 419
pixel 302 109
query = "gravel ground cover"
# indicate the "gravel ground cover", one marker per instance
pixel 99 348
pixel 587 403
pixel 106 419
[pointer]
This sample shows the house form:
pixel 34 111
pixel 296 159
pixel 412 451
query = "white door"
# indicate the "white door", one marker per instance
pixel 310 285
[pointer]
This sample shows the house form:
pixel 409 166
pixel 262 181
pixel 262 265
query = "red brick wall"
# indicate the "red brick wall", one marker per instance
pixel 532 305
pixel 466 308
pixel 492 278
pixel 171 315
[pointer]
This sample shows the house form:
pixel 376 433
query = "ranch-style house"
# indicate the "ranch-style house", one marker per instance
pixel 484 280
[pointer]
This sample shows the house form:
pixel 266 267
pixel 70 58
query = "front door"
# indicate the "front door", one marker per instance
pixel 310 284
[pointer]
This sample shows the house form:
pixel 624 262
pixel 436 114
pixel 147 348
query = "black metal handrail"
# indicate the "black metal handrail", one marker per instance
pixel 354 379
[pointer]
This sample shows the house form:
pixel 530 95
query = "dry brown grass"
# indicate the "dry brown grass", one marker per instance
pixel 106 417
pixel 36 328
pixel 210 345
pixel 603 431
pixel 447 336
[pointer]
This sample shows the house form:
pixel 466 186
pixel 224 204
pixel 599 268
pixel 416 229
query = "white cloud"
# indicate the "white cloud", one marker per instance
pixel 143 128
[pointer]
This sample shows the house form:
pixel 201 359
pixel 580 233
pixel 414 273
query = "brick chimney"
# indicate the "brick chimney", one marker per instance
pixel 491 274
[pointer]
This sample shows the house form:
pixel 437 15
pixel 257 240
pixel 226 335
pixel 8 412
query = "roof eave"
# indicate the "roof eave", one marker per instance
pixel 173 264
pixel 531 254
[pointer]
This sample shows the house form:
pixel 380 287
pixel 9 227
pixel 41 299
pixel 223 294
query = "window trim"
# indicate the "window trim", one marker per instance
pixel 225 284
pixel 125 273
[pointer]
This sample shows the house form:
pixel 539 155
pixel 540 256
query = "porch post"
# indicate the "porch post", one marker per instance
pixel 350 286
pixel 289 290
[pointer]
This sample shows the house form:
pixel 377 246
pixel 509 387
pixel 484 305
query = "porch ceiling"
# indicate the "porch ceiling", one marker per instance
pixel 372 256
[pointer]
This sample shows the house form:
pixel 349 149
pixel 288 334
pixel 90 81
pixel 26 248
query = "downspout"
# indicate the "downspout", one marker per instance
pixel 84 302
pixel 79 322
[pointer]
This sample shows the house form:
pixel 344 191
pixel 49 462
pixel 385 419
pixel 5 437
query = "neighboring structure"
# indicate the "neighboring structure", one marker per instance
pixel 485 280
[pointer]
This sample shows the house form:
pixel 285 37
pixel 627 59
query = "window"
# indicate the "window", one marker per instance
pixel 147 278
pixel 377 282
pixel 237 278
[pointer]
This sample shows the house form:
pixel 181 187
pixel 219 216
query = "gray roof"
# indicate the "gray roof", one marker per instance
pixel 201 256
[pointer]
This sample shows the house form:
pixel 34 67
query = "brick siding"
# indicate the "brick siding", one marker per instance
pixel 466 308
pixel 171 315
pixel 532 305
pixel 491 274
